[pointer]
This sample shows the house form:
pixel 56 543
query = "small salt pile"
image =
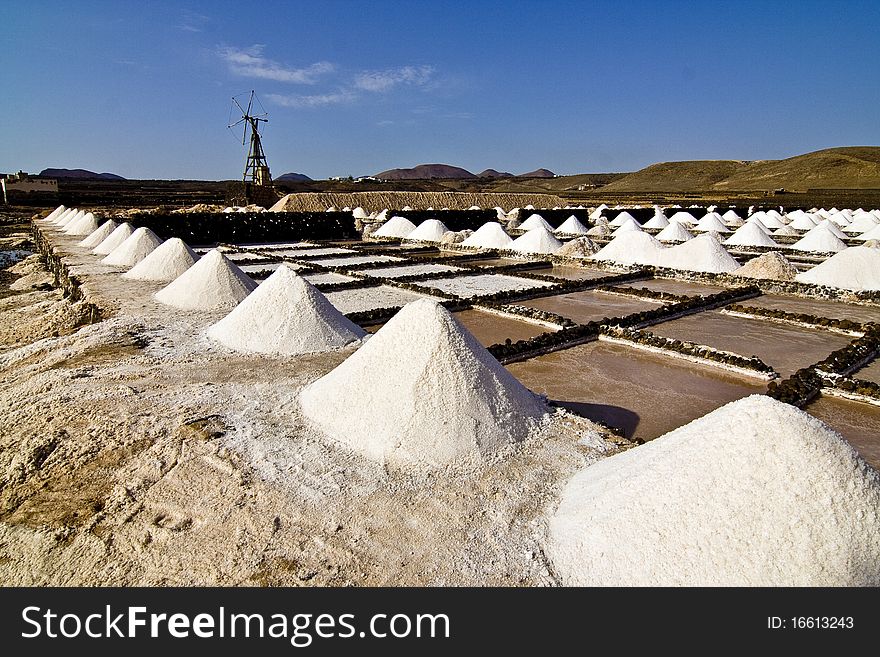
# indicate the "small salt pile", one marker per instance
pixel 422 392
pixel 431 230
pixel 52 216
pixel 830 225
pixel 571 226
pixel 674 232
pixel 85 225
pixel 711 221
pixel 731 218
pixel 621 219
pixel 772 219
pixel 580 247
pixel 658 221
pixel 65 216
pixel 70 218
pixel 168 261
pixel 750 234
pixel 862 224
pixel 114 239
pixel 535 221
pixel 855 268
pixel 819 240
pixel 756 493
pixel 771 265
pixel 489 236
pixel 632 248
pixel 703 253
pixel 537 240
pixel 213 283
pixel 595 214
pixel 99 234
pixel 395 227
pixel 683 217
pixel 873 234
pixel 286 315
pixel 599 230
pixel 134 249
pixel 626 227
pixel 786 231
pixel 58 217
pixel 359 213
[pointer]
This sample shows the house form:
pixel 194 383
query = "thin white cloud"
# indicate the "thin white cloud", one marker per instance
pixel 382 81
pixel 314 100
pixel 250 62
pixel 191 21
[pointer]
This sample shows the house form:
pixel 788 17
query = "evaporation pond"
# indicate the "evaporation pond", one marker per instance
pixel 591 305
pixel 819 308
pixel 858 422
pixel 673 286
pixel 371 298
pixel 642 393
pixel 489 328
pixel 573 273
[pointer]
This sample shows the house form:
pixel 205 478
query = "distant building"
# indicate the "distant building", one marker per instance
pixel 24 182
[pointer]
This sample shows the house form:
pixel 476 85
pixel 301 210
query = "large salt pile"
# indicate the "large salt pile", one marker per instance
pixel 626 227
pixel 213 283
pixel 731 218
pixel 431 230
pixel 489 236
pixel 580 247
pixel 571 226
pixel 52 216
pixel 68 219
pixel 632 248
pixel 703 253
pixel 56 221
pixel 168 261
pixel 537 240
pixel 820 240
pixel 711 221
pixel 621 219
pixel 862 223
pixel 114 239
pixel 422 391
pixel 772 219
pixel 395 227
pixel 750 234
pixel 134 249
pixel 535 221
pixel 683 217
pixel 85 225
pixel 674 232
pixel 286 315
pixel 834 228
pixel 659 220
pixel 771 265
pixel 99 234
pixel 855 268
pixel 756 493
pixel 873 234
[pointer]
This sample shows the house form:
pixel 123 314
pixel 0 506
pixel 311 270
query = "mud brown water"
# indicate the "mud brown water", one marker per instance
pixel 785 348
pixel 869 373
pixel 686 288
pixel 831 309
pixel 572 273
pixel 859 423
pixel 588 306
pixel 489 328
pixel 643 394
pixel 493 262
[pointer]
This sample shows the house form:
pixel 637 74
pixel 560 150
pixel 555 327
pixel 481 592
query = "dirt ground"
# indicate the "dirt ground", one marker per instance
pixel 136 452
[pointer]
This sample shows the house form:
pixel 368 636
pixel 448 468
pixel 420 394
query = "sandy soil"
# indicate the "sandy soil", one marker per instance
pixel 135 452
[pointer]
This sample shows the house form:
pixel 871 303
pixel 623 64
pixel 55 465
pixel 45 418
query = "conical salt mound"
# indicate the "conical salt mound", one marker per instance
pixel 85 225
pixel 750 234
pixel 430 230
pixel 395 227
pixel 285 315
pixel 711 221
pixel 772 220
pixel 534 221
pixel 56 221
pixel 422 391
pixel 489 236
pixel 674 232
pixel 537 240
pixel 571 226
pixel 114 239
pixel 134 249
pixel 731 218
pixel 99 234
pixel 771 265
pixel 855 268
pixel 213 283
pixel 627 226
pixel 756 493
pixel 786 231
pixel 683 217
pixel 659 220
pixel 820 240
pixel 862 223
pixel 52 216
pixel 833 227
pixel 632 248
pixel 65 221
pixel 703 253
pixel 621 219
pixel 168 261
pixel 873 234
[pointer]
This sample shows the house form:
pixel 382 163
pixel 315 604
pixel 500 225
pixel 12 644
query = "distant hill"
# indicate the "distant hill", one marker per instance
pixel 426 172
pixel 293 177
pixel 677 176
pixel 538 173
pixel 492 173
pixel 79 173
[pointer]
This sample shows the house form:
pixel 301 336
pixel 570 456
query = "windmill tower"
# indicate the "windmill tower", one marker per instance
pixel 256 168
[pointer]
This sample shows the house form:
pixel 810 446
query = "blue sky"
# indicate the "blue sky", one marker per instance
pixel 143 89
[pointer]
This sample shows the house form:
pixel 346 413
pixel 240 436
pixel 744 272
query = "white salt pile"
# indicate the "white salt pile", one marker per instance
pixel 830 225
pixel 820 240
pixel 595 214
pixel 359 213
pixel 213 283
pixel 395 227
pixel 855 268
pixel 731 218
pixel 114 239
pixel 422 391
pixel 839 218
pixel 674 232
pixel 862 223
pixel 68 219
pixel 621 219
pixel 873 234
pixel 85 225
pixel 286 315
pixel 711 221
pixel 756 493
pixel 571 226
pixel 168 261
pixel 134 249
pixel 537 240
pixel 750 234
pixel 632 248
pixel 626 227
pixel 52 216
pixel 802 221
pixel 683 217
pixel 786 231
pixel 771 265
pixel 56 221
pixel 772 219
pixel 99 234
pixel 535 221
pixel 430 230
pixel 659 220
pixel 599 230
pixel 580 247
pixel 489 236
pixel 703 253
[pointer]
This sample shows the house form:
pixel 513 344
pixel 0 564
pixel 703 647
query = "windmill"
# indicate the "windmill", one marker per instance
pixel 256 169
